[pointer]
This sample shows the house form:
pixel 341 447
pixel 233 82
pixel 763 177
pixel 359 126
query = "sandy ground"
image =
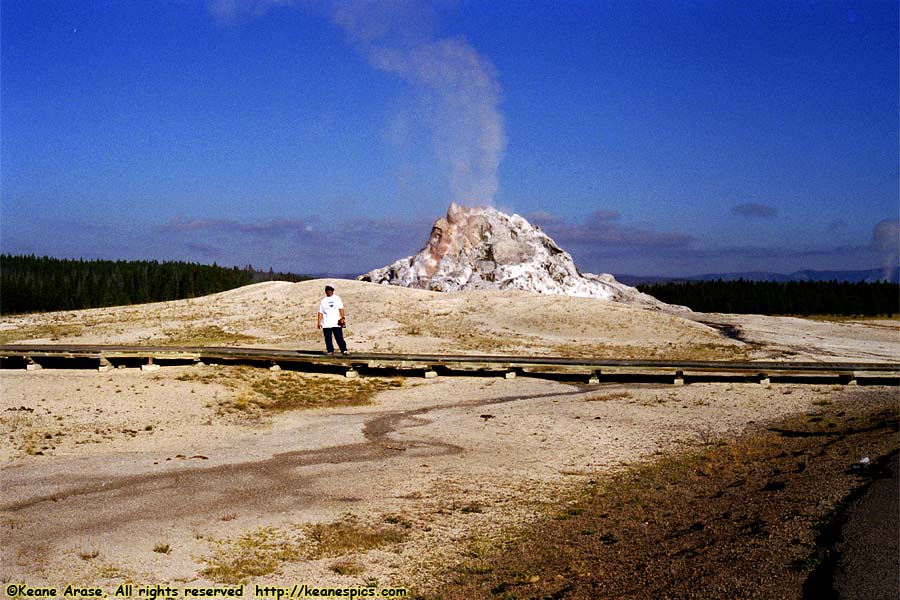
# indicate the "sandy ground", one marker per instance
pixel 156 478
pixel 386 319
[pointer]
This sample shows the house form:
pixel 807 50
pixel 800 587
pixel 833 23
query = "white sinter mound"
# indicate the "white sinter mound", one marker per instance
pixel 482 248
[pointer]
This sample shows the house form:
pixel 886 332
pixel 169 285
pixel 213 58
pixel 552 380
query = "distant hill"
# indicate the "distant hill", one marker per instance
pixel 866 275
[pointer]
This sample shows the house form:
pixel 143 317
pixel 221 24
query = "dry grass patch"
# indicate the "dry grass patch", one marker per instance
pixel 348 536
pixel 162 548
pixel 263 551
pixel 610 396
pixel 205 335
pixel 259 392
pixel 685 351
pixel 480 552
pixel 890 321
pixel 88 554
pixel 53 331
pixel 298 391
pixel 347 568
pixel 464 333
pixel 34 556
pixel 253 554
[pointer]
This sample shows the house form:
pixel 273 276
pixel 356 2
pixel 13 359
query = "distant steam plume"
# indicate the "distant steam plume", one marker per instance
pixel 887 239
pixel 458 88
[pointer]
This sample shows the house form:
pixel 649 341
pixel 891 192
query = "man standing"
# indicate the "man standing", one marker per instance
pixel 331 320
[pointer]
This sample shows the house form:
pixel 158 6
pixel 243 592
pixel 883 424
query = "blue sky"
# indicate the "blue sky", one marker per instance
pixel 317 136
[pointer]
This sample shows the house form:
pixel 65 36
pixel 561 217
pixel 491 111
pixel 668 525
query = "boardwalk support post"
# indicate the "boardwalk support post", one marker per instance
pixel 679 378
pixel 848 378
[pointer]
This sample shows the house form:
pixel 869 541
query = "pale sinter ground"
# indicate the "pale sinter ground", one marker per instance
pixel 180 476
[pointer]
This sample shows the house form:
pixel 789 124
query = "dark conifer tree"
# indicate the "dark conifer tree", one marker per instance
pixel 33 284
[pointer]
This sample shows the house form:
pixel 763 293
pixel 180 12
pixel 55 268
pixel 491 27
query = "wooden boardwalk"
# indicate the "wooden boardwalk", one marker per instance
pixel 593 370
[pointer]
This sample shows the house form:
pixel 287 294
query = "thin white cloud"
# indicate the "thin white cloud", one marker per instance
pixel 275 227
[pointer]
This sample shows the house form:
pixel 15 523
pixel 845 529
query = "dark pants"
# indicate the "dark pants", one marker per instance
pixel 338 335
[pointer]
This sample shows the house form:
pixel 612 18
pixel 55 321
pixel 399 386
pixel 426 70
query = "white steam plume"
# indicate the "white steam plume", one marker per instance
pixel 459 89
pixel 887 239
pixel 461 97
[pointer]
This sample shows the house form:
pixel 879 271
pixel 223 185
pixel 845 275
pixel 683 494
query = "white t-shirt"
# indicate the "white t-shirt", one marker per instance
pixel 330 308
